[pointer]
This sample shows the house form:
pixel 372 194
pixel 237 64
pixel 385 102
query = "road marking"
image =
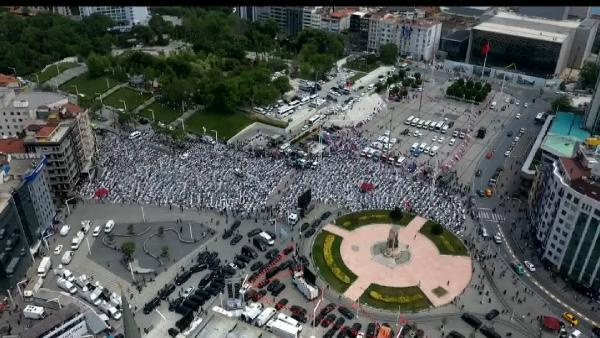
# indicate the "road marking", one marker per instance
pixel 490 216
pixel 536 283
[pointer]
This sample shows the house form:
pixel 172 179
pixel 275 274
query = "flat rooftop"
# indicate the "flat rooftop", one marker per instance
pixel 564 134
pixel 527 27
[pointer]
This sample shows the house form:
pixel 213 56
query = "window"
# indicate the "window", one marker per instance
pixel 576 200
pixel 565 234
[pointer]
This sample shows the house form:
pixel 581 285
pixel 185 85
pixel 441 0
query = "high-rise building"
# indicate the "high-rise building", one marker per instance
pixel 26 212
pixel 556 12
pixel 359 30
pixel 565 210
pixel 125 16
pixel 592 114
pixel 417 39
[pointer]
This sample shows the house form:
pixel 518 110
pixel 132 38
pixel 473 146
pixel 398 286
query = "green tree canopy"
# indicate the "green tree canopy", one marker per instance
pixel 128 248
pixel 388 53
pixel 97 65
pixel 561 103
pixel 589 74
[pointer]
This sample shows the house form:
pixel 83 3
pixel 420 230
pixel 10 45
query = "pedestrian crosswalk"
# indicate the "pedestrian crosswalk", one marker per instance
pixel 488 215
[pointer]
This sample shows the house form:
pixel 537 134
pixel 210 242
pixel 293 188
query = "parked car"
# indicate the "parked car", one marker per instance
pixel 309 233
pixel 64 230
pixel 346 312
pixel 254 232
pixel 236 239
pixel 58 249
pixel 571 318
pixel 281 303
pixel 492 314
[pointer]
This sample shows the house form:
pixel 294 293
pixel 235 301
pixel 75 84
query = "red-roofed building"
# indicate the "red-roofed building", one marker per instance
pixel 12 146
pixel 9 81
pixel 337 21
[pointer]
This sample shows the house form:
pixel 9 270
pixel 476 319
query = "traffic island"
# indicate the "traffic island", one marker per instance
pixel 407 299
pixel 326 253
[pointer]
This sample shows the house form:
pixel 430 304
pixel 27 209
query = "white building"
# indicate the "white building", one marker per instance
pixel 337 21
pixel 126 16
pixel 565 210
pixel 311 17
pixel 17 110
pixel 418 39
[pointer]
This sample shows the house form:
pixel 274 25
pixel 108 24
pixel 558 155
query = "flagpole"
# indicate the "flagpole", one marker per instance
pixel 484 61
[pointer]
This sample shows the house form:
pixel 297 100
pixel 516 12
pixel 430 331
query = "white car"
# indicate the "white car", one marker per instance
pixel 393 140
pixel 517 138
pixel 305 127
pixel 518 116
pixel 498 238
pixel 96 231
pixel 188 292
pixel 68 275
pixel 455 133
pixel 522 131
pixel 441 139
pixel 65 230
pixel 529 266
pixel 517 103
pixel 416 133
pixel 434 139
pixel 386 133
pixel 507 100
pixel 525 105
pixel 58 249
pixel 507 153
pixel 452 141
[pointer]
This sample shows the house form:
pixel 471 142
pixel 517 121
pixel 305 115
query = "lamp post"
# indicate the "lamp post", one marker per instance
pixel 182 124
pixel 315 310
pixel 76 90
pixel 152 111
pixel 124 104
pixel 19 287
pixel 216 135
pixel 107 84
pixel 37 77
pixel 100 97
pixel 67 204
pixel 57 69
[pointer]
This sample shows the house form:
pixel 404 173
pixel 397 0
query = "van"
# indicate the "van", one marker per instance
pixel 109 226
pixel 66 258
pixel 409 119
pixel 434 151
pixel 135 134
pixel 34 312
pixel 66 285
pixel 493 106
pixel 420 124
pixel 267 238
pixel 415 146
pixel 422 147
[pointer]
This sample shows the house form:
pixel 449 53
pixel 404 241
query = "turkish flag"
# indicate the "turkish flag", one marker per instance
pixel 486 48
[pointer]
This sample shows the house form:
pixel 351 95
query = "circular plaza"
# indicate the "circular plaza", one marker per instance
pixel 392 260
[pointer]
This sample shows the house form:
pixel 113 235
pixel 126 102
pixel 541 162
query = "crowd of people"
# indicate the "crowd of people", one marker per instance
pixel 220 178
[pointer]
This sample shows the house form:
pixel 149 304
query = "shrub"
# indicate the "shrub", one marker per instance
pixel 339 274
pixel 437 229
pixel 128 248
pixel 130 229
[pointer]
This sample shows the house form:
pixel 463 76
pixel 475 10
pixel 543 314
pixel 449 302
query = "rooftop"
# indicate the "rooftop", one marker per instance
pixel 73 108
pixel 34 99
pixel 564 135
pixel 579 178
pixel 471 11
pixel 7 79
pixel 50 132
pixel 12 145
pixel 60 316
pixel 459 35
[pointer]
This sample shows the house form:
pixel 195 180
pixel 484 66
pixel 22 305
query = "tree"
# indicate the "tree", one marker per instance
pixel 588 75
pixel 388 53
pixel 128 248
pixel 97 65
pixel 562 103
pixel 470 84
pixel 417 76
pixel 478 86
pixel 562 86
pixel 282 84
pixel 436 229
pixel 396 214
pixel 130 229
pixel 487 87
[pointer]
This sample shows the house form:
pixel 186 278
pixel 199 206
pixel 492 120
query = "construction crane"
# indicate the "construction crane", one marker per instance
pixel 504 76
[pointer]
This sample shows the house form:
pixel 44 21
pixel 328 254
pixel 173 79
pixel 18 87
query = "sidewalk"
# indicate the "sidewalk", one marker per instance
pixel 65 76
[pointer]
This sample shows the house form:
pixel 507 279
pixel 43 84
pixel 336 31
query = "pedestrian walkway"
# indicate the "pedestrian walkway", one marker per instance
pixel 183 117
pixel 112 90
pixel 65 76
pixel 143 105
pixel 486 214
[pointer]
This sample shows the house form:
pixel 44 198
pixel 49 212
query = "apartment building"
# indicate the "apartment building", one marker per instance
pixel 311 16
pixel 18 109
pixel 416 39
pixel 62 144
pixel 337 21
pixel 565 211
pixel 125 16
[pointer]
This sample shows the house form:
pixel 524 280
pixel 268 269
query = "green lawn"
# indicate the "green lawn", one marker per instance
pixel 133 98
pixel 357 219
pixel 324 269
pixel 395 299
pixel 361 65
pixel 447 243
pixel 51 72
pixel 88 86
pixel 226 124
pixel 162 113
pixel 356 76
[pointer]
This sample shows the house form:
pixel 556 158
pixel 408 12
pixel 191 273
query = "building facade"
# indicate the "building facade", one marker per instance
pixel 359 31
pixel 18 109
pixel 416 39
pixel 26 212
pixel 592 114
pixel 455 45
pixel 565 210
pixel 122 15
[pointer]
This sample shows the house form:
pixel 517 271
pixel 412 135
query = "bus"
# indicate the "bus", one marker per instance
pixel 294 103
pixel 314 119
pixel 539 117
pixel 439 125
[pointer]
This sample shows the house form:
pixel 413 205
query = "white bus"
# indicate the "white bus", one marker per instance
pixel 314 119
pixel 409 120
pixel 294 103
pixel 445 129
pixel 265 316
pixel 439 125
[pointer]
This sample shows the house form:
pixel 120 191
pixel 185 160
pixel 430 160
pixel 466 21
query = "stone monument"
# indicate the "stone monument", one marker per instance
pixel 392 248
pixel 391 252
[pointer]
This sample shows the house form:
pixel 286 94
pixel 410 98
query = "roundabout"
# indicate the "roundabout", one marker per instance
pixel 404 263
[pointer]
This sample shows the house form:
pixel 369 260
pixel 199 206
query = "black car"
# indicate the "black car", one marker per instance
pixel 299 317
pixel 372 330
pixel 330 318
pixel 492 314
pixel 166 291
pixel 596 331
pixel 355 329
pixel 212 291
pixel 235 225
pixel 173 332
pixel 214 264
pixel 243 258
pixel 455 334
pixel 296 309
pixel 240 264
pixel 198 267
pixel 344 332
pixel 325 215
pixel 330 333
pixel 254 232
pixel 346 312
pixel 304 226
pixel 151 305
pixel 249 251
pixel 478 173
pixel 338 323
pixel 273 284
pixel 228 270
pixel 203 256
pixel 278 289
pixel 184 277
pixel 318 319
pixel 260 294
pixel 205 281
pixel 260 243
pixel 256 266
pixel 309 233
pixel 227 233
pixel 236 239
pixel 316 223
pixel 175 304
pixel 509 134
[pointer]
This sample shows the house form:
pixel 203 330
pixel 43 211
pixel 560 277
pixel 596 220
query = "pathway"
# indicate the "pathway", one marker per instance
pixel 112 90
pixel 183 117
pixel 66 76
pixel 426 268
pixel 139 108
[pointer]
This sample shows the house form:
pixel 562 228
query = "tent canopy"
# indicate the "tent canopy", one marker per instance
pixel 102 192
pixel 366 186
pixel 551 323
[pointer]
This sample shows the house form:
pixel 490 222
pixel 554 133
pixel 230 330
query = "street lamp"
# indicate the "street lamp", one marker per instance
pixel 216 135
pixel 37 77
pixel 124 104
pixel 67 204
pixel 152 111
pixel 182 124
pixel 100 97
pixel 76 90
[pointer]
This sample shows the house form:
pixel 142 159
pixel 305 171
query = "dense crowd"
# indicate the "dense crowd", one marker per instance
pixel 221 178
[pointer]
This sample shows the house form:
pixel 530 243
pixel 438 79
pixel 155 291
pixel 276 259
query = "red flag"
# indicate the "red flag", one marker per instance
pixel 486 48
